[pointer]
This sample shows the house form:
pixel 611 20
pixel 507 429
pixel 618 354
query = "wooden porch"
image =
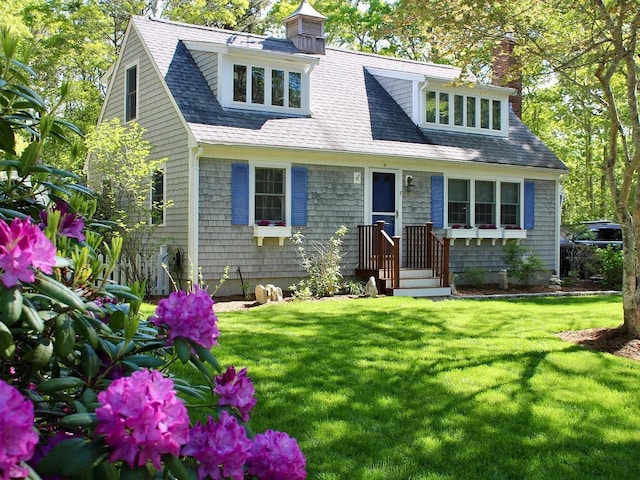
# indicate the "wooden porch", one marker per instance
pixel 424 271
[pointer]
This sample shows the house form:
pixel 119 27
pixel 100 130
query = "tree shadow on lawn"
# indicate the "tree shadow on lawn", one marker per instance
pixel 392 399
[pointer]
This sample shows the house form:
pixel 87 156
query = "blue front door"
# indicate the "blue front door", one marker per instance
pixel 384 200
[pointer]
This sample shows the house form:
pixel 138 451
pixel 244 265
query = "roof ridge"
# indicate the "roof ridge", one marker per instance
pixel 398 59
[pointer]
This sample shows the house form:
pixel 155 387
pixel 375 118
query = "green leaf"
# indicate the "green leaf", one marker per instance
pixel 87 331
pixel 106 471
pixel 7 138
pixel 140 473
pixel 57 384
pixel 71 457
pixel 207 356
pixel 31 317
pixel 178 468
pixel 89 360
pixel 7 346
pixel 65 335
pixel 58 291
pixel 183 349
pixel 79 420
pixel 116 319
pixel 145 361
pixel 42 353
pixel 131 326
pixel 30 155
pixel 10 304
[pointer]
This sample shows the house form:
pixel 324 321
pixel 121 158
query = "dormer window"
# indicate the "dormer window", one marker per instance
pixel 262 85
pixel 465 112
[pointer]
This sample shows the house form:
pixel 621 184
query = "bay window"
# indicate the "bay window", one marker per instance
pixel 463 111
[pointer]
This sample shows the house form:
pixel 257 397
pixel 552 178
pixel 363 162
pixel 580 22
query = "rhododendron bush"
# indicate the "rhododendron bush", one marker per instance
pixel 86 389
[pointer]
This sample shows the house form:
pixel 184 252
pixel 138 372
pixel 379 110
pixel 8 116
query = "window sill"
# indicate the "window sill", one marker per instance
pixel 479 234
pixel 262 232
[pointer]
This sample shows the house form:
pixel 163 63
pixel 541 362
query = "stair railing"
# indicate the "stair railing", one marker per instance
pixel 428 251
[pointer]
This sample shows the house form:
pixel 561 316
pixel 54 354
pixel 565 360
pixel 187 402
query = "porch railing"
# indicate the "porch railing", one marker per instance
pixel 380 252
pixel 426 250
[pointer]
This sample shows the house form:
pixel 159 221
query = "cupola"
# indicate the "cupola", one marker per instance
pixel 305 28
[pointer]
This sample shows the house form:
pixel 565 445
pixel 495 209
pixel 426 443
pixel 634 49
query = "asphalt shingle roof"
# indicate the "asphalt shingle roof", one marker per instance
pixel 352 112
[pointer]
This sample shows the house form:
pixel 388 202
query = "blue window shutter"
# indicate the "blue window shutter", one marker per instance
pixel 298 196
pixel 437 201
pixel 240 194
pixel 529 205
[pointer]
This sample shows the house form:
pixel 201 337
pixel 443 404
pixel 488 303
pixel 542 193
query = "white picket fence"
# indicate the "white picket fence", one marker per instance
pixel 158 282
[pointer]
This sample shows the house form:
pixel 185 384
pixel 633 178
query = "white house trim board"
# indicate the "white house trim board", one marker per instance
pixel 193 210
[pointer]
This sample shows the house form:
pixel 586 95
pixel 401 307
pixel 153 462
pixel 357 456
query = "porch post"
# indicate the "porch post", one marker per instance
pixel 380 241
pixel 429 245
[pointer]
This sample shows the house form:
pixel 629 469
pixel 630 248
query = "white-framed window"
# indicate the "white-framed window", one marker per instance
pixel 484 203
pixel 131 89
pixel 464 111
pixel 267 86
pixel 157 197
pixel 269 195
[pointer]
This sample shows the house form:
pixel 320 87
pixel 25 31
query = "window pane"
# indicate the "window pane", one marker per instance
pixel 269 194
pixel 444 109
pixel 509 204
pixel 277 87
pixel 484 113
pixel 458 105
pixel 458 205
pixel 431 107
pixel 132 93
pixel 157 198
pixel 257 85
pixel 471 112
pixel 485 203
pixel 239 83
pixel 497 124
pixel 295 89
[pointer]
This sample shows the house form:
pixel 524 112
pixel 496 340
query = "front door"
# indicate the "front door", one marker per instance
pixel 383 206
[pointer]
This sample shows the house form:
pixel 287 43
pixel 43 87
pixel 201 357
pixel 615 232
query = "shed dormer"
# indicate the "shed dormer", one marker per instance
pixel 305 28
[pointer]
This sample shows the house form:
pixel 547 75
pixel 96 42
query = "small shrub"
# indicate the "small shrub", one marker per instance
pixel 474 277
pixel 323 266
pixel 522 263
pixel 352 287
pixel 611 267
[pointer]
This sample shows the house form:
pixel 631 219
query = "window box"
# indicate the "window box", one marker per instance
pixel 513 234
pixel 489 232
pixel 271 231
pixel 466 233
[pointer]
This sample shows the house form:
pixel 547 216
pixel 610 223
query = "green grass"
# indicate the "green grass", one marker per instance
pixel 399 388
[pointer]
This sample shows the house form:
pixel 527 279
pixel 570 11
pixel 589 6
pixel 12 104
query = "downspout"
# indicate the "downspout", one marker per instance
pixel 193 213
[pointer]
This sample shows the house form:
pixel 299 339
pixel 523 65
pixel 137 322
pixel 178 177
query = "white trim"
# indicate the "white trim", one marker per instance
pixel 134 63
pixel 472 179
pixel 252 188
pixel 382 72
pixel 193 209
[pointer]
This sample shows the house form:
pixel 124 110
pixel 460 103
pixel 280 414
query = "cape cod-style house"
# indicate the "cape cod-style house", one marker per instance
pixel 267 136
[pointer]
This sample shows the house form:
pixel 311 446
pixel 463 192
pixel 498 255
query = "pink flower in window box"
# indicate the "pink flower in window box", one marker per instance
pixel 488 226
pixel 456 226
pixel 281 224
pixel 264 223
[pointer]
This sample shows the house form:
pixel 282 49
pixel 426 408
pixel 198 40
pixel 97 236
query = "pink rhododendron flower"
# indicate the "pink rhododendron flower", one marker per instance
pixel 221 448
pixel 189 315
pixel 71 224
pixel 236 391
pixel 18 438
pixel 23 247
pixel 142 418
pixel 276 456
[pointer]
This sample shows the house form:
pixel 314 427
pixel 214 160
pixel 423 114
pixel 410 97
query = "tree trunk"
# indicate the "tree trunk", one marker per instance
pixel 630 292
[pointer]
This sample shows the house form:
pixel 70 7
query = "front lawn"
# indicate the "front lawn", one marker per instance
pixel 396 388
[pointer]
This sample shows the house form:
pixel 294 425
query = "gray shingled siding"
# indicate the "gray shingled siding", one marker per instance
pixel 208 64
pixel 400 90
pixel 333 200
pixel 416 204
pixel 165 131
pixel 490 257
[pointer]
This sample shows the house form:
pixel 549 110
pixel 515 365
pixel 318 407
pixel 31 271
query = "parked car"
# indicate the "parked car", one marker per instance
pixel 579 240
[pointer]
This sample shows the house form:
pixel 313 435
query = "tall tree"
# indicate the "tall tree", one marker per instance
pixel 593 44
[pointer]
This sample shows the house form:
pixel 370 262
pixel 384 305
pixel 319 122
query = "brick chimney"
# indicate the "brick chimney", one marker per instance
pixel 305 28
pixel 506 72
